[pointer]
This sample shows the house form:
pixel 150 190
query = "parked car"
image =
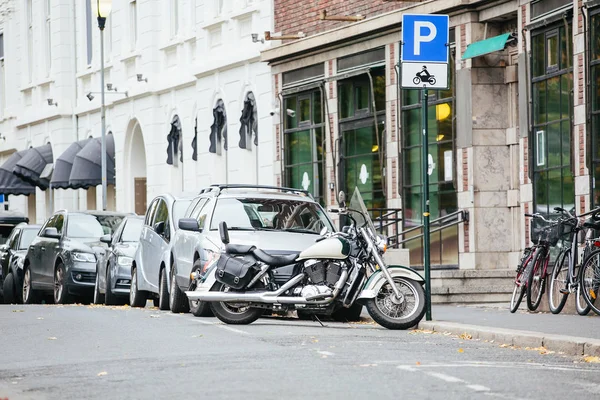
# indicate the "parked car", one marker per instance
pixel 277 220
pixel 63 258
pixel 149 277
pixel 12 255
pixel 8 221
pixel 113 278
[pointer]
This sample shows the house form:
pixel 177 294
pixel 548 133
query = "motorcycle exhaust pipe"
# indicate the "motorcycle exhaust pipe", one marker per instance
pixel 270 297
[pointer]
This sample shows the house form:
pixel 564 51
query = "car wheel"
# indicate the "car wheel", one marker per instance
pixel 30 296
pixel 61 291
pixel 137 298
pixel 163 291
pixel 109 297
pixel 177 299
pixel 98 297
pixel 9 289
pixel 200 308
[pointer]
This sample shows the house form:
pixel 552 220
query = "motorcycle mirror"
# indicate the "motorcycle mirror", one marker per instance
pixel 224 232
pixel 323 231
pixel 342 198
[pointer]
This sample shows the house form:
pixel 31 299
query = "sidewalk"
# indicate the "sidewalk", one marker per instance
pixel 571 334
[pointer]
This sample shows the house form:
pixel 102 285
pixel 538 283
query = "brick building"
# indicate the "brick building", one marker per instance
pixel 507 137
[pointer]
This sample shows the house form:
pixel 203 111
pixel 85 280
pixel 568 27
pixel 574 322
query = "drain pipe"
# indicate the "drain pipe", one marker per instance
pixel 74 117
pixel 570 89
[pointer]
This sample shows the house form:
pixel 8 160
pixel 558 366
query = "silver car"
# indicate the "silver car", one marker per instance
pixel 277 220
pixel 151 263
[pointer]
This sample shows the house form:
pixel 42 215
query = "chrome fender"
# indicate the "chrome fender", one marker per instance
pixel 377 279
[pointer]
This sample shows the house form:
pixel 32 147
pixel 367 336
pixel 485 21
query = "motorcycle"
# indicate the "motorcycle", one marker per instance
pixel 339 270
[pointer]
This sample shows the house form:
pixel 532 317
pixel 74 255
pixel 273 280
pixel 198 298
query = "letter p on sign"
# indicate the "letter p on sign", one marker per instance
pixel 420 38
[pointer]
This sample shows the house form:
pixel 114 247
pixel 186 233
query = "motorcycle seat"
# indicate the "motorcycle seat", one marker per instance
pixel 274 261
pixel 240 249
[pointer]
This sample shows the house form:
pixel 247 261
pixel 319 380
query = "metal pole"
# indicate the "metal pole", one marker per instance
pixel 103 114
pixel 426 239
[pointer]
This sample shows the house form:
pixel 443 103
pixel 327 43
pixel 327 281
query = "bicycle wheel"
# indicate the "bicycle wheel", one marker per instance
pixel 536 280
pixel 558 281
pixel 589 280
pixel 520 284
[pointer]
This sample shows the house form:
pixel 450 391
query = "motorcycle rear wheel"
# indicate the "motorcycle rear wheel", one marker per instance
pixel 233 313
pixel 384 306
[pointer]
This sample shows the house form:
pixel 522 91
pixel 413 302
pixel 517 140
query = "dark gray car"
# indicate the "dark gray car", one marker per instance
pixel 114 275
pixel 63 258
pixel 12 255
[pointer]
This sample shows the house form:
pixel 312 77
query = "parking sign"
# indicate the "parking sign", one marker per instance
pixel 424 54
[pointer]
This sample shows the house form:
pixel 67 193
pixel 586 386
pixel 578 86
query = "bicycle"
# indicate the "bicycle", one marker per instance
pixel 589 285
pixel 567 263
pixel 542 242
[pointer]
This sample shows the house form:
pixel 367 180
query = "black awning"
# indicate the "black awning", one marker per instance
pixel 9 182
pixel 32 164
pixel 87 165
pixel 64 165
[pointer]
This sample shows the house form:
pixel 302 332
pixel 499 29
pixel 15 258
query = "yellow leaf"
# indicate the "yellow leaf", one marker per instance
pixel 418 363
pixel 51 338
pixel 466 336
pixel 461 351
pixel 592 359
pixel 18 310
pixel 103 373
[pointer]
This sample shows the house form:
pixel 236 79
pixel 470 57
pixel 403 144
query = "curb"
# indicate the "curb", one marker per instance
pixel 571 345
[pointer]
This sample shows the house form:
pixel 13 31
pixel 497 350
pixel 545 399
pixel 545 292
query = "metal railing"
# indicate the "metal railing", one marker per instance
pixel 437 224
pixel 388 223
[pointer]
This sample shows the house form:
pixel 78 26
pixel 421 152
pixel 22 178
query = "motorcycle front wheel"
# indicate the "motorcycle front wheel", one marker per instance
pixel 392 312
pixel 233 313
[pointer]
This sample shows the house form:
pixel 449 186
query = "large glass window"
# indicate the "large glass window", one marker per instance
pixel 362 147
pixel 304 133
pixel 442 171
pixel 551 136
pixel 594 100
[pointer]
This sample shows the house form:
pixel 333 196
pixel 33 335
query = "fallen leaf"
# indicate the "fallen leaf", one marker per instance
pixel 52 338
pixel 592 359
pixel 461 351
pixel 466 336
pixel 196 336
pixel 155 316
pixel 315 341
pixel 103 373
pixel 418 363
pixel 18 310
pixel 504 345
pixel 40 317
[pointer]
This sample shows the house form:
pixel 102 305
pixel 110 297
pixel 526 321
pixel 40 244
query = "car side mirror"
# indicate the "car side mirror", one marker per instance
pixel 189 224
pixel 106 239
pixel 159 228
pixel 224 232
pixel 51 233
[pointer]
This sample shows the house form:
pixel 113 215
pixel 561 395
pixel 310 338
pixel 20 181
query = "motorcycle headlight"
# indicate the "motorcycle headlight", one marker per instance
pixel 124 261
pixel 83 257
pixel 381 244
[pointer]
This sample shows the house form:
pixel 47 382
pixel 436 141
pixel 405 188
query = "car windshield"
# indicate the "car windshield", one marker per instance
pixel 92 226
pixel 27 237
pixel 179 209
pixel 270 214
pixel 132 230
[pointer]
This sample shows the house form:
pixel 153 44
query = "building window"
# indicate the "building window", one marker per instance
pixel 442 189
pixel 304 141
pixel 30 40
pixel 47 12
pixel 88 26
pixel 594 100
pixel 133 25
pixel 219 7
pixel 362 146
pixel 553 184
pixel 174 17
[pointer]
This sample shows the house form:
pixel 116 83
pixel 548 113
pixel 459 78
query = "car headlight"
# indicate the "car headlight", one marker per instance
pixel 124 261
pixel 83 257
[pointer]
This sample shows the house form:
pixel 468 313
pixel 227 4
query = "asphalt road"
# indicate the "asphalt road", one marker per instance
pixel 89 352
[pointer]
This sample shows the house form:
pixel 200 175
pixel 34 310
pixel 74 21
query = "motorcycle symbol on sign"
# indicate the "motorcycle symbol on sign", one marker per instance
pixel 424 76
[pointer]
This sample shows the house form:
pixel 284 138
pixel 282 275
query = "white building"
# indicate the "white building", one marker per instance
pixel 177 60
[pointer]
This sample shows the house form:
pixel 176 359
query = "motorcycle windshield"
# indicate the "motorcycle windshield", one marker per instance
pixel 359 212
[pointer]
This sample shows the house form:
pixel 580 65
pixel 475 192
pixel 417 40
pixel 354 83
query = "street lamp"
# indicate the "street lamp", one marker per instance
pixel 101 8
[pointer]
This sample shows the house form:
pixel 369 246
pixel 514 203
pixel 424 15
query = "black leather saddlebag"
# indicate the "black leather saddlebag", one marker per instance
pixel 236 272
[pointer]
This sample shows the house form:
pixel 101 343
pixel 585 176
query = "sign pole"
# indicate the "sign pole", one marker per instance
pixel 425 203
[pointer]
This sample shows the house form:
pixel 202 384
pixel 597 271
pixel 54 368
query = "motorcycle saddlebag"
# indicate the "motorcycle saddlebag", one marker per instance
pixel 235 272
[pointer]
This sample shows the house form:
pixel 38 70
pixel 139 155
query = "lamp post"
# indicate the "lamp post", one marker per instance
pixel 101 8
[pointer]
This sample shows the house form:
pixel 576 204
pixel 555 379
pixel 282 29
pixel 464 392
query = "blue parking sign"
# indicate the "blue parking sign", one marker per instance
pixel 425 38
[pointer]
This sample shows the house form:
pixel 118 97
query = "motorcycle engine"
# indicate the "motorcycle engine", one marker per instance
pixel 325 273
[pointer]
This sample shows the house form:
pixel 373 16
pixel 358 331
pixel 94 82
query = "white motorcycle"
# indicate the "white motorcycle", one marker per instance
pixel 339 270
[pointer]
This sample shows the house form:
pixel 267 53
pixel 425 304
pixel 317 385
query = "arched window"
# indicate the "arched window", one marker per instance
pixel 175 139
pixel 218 130
pixel 249 122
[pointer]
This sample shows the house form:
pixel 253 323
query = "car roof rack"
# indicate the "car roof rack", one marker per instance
pixel 219 187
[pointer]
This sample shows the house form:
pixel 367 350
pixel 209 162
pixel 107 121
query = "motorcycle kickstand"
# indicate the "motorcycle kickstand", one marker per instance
pixel 315 318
